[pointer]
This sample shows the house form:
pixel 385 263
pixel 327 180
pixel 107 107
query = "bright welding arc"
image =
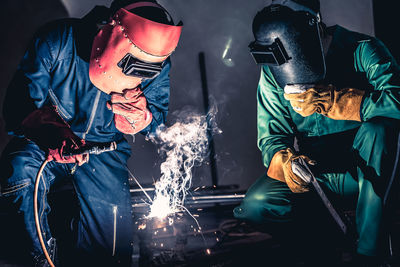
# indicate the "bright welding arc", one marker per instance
pixel 185 145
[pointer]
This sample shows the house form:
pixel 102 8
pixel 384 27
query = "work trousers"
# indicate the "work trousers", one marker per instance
pixel 104 228
pixel 357 165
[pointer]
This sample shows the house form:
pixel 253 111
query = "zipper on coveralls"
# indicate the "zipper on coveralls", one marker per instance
pixel 93 112
pixel 115 208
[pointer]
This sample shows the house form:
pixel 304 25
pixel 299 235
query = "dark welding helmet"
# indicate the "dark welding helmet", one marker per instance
pixel 288 40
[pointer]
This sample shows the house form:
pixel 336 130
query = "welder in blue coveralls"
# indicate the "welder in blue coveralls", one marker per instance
pixel 82 81
pixel 336 92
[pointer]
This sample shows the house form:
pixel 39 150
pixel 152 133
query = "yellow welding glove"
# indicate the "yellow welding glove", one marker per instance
pixel 280 168
pixel 337 104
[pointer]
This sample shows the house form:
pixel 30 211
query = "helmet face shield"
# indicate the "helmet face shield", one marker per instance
pixel 132 66
pixel 289 43
pixel 271 55
pixel 125 35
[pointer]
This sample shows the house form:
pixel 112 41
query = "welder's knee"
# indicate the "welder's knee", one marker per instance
pixel 267 200
pixel 19 166
pixel 376 141
pixel 373 131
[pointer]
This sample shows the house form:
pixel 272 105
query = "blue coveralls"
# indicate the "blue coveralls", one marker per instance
pixel 54 71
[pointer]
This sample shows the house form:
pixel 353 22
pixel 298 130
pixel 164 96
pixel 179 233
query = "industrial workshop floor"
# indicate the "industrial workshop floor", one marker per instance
pixel 222 240
pixel 226 241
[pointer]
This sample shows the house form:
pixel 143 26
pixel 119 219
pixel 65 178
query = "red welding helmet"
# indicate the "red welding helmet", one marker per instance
pixel 130 48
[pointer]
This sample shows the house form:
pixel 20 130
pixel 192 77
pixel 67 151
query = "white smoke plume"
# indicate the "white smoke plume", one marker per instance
pixel 185 145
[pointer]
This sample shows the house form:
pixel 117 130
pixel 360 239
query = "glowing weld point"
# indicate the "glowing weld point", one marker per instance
pixel 208 251
pixel 160 208
pixel 142 226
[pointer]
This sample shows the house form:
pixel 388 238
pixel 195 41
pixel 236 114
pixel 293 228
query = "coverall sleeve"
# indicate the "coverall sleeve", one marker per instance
pixel 158 99
pixel 273 119
pixel 383 74
pixel 28 88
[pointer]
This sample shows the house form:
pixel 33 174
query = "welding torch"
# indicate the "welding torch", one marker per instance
pixel 90 148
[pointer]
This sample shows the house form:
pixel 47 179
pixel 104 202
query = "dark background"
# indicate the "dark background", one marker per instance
pixel 216 28
pixel 387 25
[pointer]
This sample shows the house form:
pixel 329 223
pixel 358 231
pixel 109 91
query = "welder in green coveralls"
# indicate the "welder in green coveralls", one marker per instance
pixel 337 93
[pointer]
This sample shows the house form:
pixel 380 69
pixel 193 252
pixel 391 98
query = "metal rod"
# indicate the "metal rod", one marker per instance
pixel 210 199
pixel 132 176
pixel 142 189
pixel 217 197
pixel 204 85
pixel 325 199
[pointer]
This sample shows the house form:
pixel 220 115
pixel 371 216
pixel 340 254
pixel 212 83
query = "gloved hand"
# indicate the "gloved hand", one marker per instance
pixel 337 104
pixel 52 134
pixel 131 113
pixel 280 169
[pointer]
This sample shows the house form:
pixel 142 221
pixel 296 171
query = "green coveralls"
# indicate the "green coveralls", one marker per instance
pixel 354 159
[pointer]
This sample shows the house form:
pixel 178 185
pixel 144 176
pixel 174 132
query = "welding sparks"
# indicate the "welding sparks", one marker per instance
pixel 185 145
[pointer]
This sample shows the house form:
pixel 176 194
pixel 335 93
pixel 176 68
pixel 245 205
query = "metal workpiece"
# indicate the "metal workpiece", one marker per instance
pixel 205 197
pixel 201 235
